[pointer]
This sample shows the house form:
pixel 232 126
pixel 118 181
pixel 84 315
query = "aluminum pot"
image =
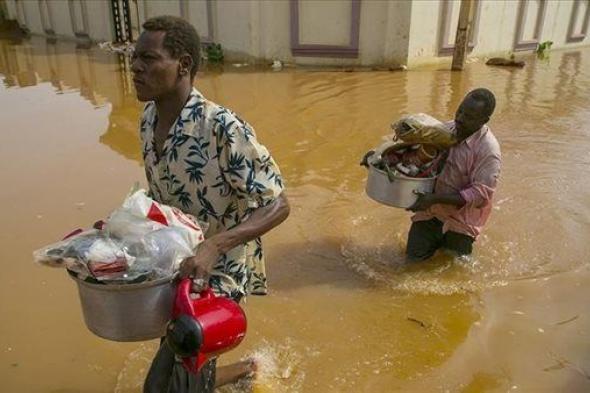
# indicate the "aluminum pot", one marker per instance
pixel 127 312
pixel 400 191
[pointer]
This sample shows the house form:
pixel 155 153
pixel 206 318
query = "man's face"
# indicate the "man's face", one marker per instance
pixel 470 117
pixel 155 72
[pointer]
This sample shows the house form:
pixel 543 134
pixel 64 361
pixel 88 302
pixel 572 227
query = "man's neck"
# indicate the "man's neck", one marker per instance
pixel 170 106
pixel 461 138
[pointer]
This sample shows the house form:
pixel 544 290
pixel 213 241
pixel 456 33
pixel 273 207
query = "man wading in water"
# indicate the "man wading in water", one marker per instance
pixel 453 216
pixel 206 161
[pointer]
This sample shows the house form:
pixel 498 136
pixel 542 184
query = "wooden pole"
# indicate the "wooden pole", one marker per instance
pixel 462 38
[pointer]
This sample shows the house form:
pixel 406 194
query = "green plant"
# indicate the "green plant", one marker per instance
pixel 214 53
pixel 543 49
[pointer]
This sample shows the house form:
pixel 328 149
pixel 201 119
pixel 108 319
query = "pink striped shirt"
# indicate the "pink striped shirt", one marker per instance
pixel 472 169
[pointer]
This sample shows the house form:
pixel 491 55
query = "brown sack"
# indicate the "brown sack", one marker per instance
pixel 422 128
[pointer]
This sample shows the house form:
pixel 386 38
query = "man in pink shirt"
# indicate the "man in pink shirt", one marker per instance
pixel 453 216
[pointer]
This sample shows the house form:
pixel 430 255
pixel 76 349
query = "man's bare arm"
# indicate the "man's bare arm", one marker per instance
pixel 262 220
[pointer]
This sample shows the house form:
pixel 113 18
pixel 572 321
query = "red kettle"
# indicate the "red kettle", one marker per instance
pixel 204 327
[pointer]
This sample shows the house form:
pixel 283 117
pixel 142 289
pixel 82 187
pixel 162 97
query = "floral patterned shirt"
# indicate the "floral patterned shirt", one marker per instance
pixel 213 167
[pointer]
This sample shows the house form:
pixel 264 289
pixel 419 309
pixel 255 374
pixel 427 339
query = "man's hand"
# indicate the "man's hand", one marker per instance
pixel 423 202
pixel 200 266
pixel 262 220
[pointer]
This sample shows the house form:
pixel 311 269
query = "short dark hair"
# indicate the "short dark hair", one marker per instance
pixel 486 97
pixel 181 37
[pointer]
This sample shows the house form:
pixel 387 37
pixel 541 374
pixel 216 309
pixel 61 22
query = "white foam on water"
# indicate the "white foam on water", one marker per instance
pixel 375 250
pixel 280 369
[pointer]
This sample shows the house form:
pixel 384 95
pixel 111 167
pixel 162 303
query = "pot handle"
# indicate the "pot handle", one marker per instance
pixel 365 160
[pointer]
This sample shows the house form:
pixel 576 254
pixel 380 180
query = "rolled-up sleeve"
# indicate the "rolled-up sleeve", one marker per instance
pixel 248 167
pixel 483 180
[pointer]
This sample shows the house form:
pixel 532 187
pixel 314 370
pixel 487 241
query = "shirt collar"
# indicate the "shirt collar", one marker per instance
pixel 191 113
pixel 476 136
pixel 472 139
pixel 193 97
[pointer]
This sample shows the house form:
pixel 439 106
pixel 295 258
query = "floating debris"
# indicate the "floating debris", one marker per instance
pixel 500 61
pixel 117 47
pixel 391 68
pixel 559 366
pixel 567 364
pixel 568 320
pixel 419 322
pixel 277 65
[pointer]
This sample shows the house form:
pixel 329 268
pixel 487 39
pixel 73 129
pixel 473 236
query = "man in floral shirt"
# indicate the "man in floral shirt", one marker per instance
pixel 205 160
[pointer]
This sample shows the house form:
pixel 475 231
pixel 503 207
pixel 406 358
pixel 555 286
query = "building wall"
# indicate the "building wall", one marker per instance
pixel 197 15
pixel 62 22
pixel 389 32
pixel 100 22
pixel 33 17
pixel 234 25
pixel 272 17
pixel 424 29
pixel 162 7
pixel 383 30
pixel 497 28
pixel 557 22
pixel 59 17
pixel 10 9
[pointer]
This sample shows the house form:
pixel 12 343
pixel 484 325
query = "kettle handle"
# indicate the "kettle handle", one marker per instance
pixel 183 303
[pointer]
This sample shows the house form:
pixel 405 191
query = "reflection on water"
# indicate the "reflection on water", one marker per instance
pixel 345 313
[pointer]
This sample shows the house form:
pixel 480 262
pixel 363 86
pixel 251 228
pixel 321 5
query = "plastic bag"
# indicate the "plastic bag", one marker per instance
pixel 140 215
pixel 160 236
pixel 425 129
pixel 142 238
pixel 68 252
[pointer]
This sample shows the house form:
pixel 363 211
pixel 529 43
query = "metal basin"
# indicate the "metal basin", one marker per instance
pixel 129 312
pixel 398 192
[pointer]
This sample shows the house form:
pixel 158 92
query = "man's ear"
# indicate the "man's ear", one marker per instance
pixel 185 64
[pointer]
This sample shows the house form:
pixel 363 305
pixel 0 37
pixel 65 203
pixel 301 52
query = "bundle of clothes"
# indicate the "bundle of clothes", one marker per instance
pixel 142 240
pixel 418 148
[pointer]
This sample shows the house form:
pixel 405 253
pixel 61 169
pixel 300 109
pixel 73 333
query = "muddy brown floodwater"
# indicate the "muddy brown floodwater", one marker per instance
pixel 344 313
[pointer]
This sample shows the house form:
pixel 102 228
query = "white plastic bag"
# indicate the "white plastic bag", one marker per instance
pixel 159 236
pixel 141 238
pixel 140 215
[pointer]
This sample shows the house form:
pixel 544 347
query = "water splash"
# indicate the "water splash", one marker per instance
pixel 280 369
pixel 381 260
